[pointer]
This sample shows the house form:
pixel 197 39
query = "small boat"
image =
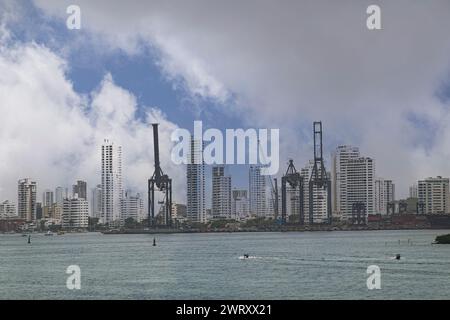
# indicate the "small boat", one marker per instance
pixel 246 256
pixel 60 233
pixel 397 256
pixel 49 233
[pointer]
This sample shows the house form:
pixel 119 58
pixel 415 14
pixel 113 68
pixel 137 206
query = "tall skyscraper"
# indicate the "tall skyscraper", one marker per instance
pixel 221 193
pixel 240 204
pixel 96 202
pixel 26 204
pixel 320 197
pixel 111 183
pixel 195 171
pixel 132 207
pixel 384 193
pixel 434 194
pixel 80 189
pixel 75 213
pixel 47 198
pixel 257 191
pixel 360 174
pixel 59 196
pixel 340 157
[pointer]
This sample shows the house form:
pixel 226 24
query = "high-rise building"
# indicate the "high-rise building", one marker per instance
pixel 26 204
pixel 111 183
pixel 59 196
pixel 221 193
pixel 257 191
pixel 413 192
pixel 384 194
pixel 360 176
pixel 47 198
pixel 434 194
pixel 7 209
pixel 340 157
pixel 96 202
pixel 240 205
pixel 39 211
pixel 80 189
pixel 320 197
pixel 132 207
pixel 75 213
pixel 195 171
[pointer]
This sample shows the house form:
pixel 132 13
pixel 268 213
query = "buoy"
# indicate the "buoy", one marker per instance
pixel 154 242
pixel 29 239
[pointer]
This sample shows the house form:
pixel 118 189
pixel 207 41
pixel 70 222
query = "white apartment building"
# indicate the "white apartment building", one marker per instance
pixel 132 206
pixel 221 193
pixel 112 191
pixel 75 213
pixel 340 157
pixel 384 193
pixel 360 186
pixel 26 204
pixel 195 172
pixel 240 205
pixel 434 194
pixel 257 190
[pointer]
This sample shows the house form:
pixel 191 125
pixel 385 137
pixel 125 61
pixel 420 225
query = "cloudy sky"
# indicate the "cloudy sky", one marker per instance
pixel 232 64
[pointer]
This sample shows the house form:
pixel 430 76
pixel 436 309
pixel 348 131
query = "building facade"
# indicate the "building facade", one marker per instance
pixel 257 192
pixel 433 193
pixel 195 174
pixel 132 207
pixel 340 158
pixel 26 204
pixel 360 185
pixel 384 194
pixel 240 205
pixel 221 193
pixel 75 213
pixel 7 209
pixel 80 189
pixel 112 191
pixel 96 202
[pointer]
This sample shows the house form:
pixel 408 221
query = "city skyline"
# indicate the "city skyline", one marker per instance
pixel 353 176
pixel 83 93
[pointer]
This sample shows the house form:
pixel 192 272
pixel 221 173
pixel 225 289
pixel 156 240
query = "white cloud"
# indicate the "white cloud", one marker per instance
pixel 51 134
pixel 293 62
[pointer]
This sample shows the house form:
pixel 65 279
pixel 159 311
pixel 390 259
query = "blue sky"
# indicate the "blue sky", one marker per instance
pixel 277 67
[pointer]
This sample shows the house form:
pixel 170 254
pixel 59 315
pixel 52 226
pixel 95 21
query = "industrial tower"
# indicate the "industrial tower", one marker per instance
pixel 295 180
pixel 163 184
pixel 319 177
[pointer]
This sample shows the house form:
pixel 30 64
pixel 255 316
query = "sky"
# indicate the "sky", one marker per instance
pixel 246 64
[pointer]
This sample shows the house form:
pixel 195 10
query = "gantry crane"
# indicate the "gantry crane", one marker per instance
pixel 163 184
pixel 319 176
pixel 295 180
